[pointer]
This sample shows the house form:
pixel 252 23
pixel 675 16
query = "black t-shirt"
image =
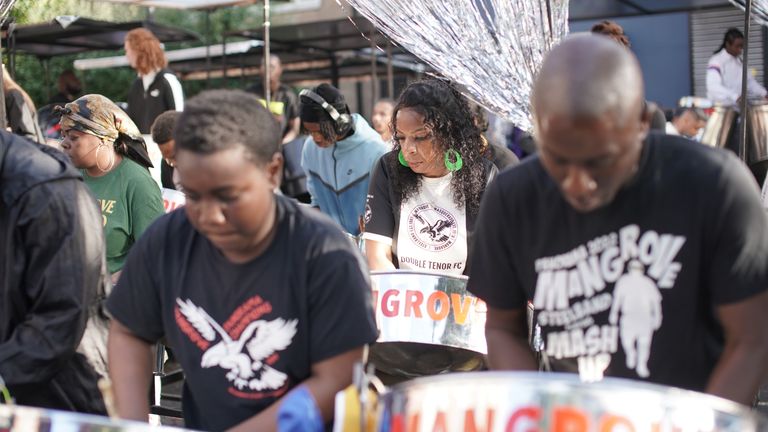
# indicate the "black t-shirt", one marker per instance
pixel 629 289
pixel 245 334
pixel 285 95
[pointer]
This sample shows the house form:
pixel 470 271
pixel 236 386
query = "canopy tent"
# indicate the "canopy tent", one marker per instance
pixel 74 35
pixel 243 58
pixel 185 4
pixel 349 47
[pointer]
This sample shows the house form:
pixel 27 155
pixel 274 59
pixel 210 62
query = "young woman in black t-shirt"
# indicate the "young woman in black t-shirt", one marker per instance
pixel 425 194
pixel 266 304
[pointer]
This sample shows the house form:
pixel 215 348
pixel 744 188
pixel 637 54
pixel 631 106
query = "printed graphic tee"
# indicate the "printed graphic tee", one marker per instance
pixel 245 334
pixel 428 233
pixel 130 201
pixel 630 289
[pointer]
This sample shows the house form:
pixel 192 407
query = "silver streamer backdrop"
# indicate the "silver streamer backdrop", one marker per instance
pixel 759 10
pixel 491 48
pixel 5 9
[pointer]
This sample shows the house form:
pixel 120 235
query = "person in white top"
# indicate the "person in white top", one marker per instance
pixel 724 71
pixel 686 122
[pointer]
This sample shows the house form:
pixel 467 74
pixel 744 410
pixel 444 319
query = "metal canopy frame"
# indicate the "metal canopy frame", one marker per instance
pixel 74 35
pixel 348 46
pixel 184 4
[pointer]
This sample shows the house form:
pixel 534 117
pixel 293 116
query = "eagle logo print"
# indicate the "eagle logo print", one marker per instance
pixel 432 228
pixel 244 358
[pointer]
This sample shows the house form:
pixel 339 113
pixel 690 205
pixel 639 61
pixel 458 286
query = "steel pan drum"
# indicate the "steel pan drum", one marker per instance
pixel 27 419
pixel 528 401
pixel 719 127
pixel 428 324
pixel 757 141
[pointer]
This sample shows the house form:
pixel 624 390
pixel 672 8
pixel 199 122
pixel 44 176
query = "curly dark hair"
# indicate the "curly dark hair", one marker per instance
pixel 613 31
pixel 447 114
pixel 217 120
pixel 162 127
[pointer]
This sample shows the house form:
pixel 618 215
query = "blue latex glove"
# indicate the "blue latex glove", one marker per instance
pixel 299 413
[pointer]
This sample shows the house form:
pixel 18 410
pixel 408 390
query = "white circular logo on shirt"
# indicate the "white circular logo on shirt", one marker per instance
pixel 368 213
pixel 432 228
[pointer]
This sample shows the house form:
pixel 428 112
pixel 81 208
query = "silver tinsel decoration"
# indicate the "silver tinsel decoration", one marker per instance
pixel 5 9
pixel 491 48
pixel 759 10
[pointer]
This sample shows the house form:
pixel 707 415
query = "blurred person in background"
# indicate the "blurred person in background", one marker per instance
pixel 282 95
pixel 156 89
pixel 686 122
pixel 338 155
pixel 381 119
pixel 284 106
pixel 162 135
pixel 724 71
pixel 20 110
pixel 69 86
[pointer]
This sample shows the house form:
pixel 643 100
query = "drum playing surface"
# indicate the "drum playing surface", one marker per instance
pixel 428 323
pixel 527 401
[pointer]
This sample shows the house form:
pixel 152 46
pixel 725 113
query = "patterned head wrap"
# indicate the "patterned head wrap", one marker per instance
pixel 98 116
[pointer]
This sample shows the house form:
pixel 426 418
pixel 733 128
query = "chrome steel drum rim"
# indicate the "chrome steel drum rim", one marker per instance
pixel 504 395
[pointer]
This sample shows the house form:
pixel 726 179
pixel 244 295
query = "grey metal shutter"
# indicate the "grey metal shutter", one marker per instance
pixel 707 31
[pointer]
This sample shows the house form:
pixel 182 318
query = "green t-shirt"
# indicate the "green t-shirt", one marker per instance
pixel 130 201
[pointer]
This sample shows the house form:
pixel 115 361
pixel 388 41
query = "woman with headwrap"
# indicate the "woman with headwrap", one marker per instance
pixel 105 144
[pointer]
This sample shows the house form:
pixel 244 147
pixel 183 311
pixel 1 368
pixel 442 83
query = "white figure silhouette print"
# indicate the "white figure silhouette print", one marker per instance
pixel 636 308
pixel 244 358
pixel 602 298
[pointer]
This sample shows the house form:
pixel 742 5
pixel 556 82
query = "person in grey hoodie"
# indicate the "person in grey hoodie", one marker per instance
pixel 338 155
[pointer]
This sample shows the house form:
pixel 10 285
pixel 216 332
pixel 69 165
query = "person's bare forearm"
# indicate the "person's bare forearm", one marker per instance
pixel 328 378
pixel 130 369
pixel 507 351
pixel 739 372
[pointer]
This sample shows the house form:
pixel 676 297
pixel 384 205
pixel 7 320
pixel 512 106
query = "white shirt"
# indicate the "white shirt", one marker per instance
pixel 724 80
pixel 432 235
pixel 671 129
pixel 148 79
pixel 765 193
pixel 176 89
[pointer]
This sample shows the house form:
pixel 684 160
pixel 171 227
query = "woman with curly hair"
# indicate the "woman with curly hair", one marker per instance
pixel 425 194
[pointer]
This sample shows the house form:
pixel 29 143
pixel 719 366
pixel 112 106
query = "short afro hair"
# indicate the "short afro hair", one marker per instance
pixel 162 128
pixel 217 120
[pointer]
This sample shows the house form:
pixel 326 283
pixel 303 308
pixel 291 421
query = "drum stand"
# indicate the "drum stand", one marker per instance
pixel 160 378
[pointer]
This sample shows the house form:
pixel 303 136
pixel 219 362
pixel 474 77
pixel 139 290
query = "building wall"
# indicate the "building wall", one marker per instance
pixel 662 46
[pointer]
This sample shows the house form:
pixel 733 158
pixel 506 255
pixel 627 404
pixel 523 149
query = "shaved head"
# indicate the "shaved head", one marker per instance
pixel 589 119
pixel 586 77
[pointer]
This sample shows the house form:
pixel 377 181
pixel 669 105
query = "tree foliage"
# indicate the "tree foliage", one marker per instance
pixel 114 83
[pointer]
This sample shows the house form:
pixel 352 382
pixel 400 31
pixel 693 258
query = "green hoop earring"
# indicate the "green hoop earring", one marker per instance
pixel 401 158
pixel 453 166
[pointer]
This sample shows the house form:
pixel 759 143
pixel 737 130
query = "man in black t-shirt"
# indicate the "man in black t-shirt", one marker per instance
pixel 645 256
pixel 281 93
pixel 265 303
